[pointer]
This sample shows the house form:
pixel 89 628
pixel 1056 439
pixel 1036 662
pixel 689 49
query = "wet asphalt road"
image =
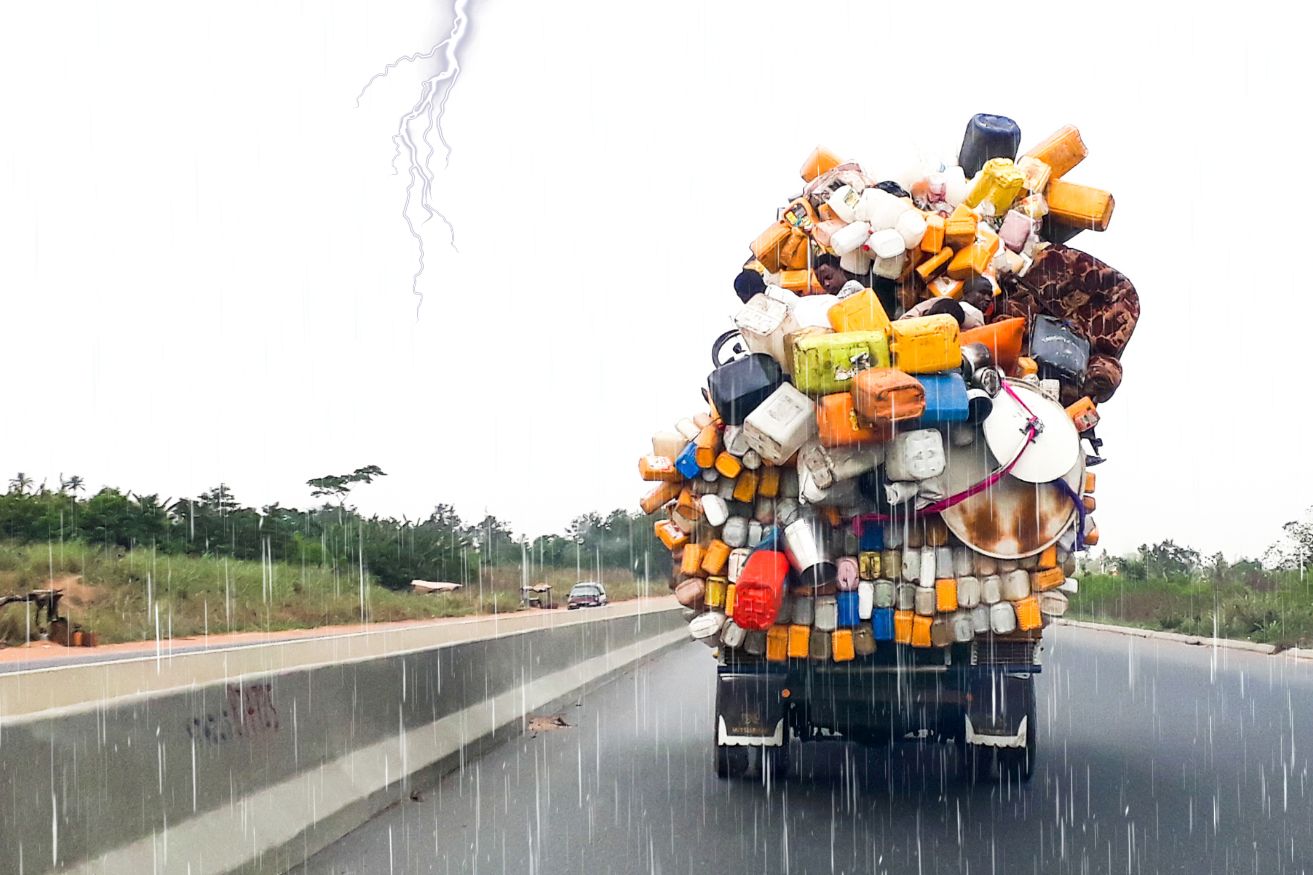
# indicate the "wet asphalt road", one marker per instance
pixel 1155 757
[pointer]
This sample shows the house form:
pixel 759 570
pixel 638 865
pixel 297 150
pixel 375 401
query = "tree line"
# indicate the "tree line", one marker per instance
pixel 442 546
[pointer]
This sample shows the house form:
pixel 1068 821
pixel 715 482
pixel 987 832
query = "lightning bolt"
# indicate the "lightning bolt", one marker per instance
pixel 416 129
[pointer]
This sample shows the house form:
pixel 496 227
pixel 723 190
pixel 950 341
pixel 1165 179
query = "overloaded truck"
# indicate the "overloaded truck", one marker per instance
pixel 879 510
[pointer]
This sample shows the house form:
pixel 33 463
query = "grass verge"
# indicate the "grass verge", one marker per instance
pixel 134 595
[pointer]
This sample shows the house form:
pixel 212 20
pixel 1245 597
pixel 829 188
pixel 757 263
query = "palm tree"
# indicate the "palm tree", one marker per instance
pixel 73 484
pixel 20 483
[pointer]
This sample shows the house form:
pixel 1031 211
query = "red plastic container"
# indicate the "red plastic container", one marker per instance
pixel 760 589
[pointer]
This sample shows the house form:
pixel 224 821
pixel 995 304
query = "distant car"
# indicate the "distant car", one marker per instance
pixel 586 595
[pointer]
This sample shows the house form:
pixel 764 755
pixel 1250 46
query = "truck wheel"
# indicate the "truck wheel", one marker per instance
pixel 731 761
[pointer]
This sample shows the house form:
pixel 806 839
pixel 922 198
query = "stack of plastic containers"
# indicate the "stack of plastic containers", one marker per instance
pixel 902 419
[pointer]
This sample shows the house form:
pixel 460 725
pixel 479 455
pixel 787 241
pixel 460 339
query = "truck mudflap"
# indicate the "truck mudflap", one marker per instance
pixel 750 709
pixel 1000 708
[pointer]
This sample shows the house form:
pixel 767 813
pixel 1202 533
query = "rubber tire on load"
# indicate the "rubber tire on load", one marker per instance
pixel 731 761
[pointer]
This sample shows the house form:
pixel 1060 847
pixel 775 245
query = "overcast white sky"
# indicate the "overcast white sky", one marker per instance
pixel 205 276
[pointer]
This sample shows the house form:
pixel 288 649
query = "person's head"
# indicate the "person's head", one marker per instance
pixel 949 306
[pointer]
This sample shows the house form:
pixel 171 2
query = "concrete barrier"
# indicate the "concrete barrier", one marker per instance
pixel 253 758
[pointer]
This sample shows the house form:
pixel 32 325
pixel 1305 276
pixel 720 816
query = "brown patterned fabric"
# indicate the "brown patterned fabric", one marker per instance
pixel 1102 377
pixel 1066 283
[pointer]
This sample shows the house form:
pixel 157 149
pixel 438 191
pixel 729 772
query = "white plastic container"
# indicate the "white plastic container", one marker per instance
pixel 991 589
pixel 850 238
pixel 941 631
pixel 688 429
pixel 668 443
pixel 1002 618
pixel 827 613
pixel 804 610
pixel 980 619
pixel 1016 585
pixel 962 562
pixel 779 293
pixel 944 561
pixel 782 424
pixel 751 460
pixel 911 564
pixel 1006 565
pixel 911 227
pixel 956 185
pixel 844 201
pixel 961 434
pixel 928 567
pixel 755 531
pixel 890 268
pixel 755 643
pixel 915 455
pixel 858 261
pixel 735 443
pixel 893 535
pixel 968 592
pixel 738 557
pixel 683 523
pixel 925 601
pixel 885 594
pixel 725 488
pixel 866 598
pixel 715 510
pixel 763 322
pixel 886 244
pixel 1052 603
pixel 732 634
pixel 985 565
pixel 906 594
pixel 880 208
pixel 787 510
pixel 735 532
pixel 963 628
pixel 706 628
pixel 813 311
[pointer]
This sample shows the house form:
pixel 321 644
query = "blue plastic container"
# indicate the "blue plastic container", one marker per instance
pixel 882 624
pixel 848 609
pixel 987 136
pixel 872 538
pixel 686 462
pixel 945 397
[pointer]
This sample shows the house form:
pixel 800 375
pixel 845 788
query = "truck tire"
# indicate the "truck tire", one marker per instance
pixel 731 761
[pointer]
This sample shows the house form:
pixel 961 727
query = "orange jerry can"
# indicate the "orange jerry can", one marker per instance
pixel 768 481
pixel 1084 415
pixel 1026 367
pixel 1045 579
pixel 1049 558
pixel 960 227
pixel 659 468
pixel 670 534
pixel 782 247
pixel 1003 340
pixel 708 446
pixel 903 626
pixel 887 395
pixel 1090 480
pixel 1062 151
pixel 1028 615
pixel 728 465
pixel 745 487
pixel 925 344
pixel 658 497
pixel 777 643
pixel 839 426
pixel 927 268
pixel 971 261
pixel 716 557
pixel 860 312
pixel 799 641
pixel 691 564
pixel 804 282
pixel 921 630
pixel 933 240
pixel 841 645
pixel 821 160
pixel 688 505
pixel 1079 206
pixel 946 595
pixel 730 591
